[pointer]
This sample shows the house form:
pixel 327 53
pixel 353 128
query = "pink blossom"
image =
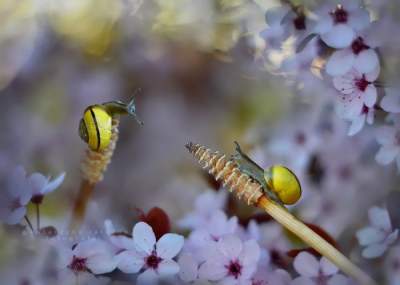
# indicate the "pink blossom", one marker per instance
pixel 391 101
pixel 379 235
pixel 233 262
pixel 42 185
pixel 155 257
pixel 389 139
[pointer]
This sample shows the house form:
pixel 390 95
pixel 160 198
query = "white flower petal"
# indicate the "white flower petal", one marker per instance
pixel 327 267
pixel 101 263
pixel 324 25
pixel 366 61
pixel 37 181
pixel 338 279
pixel 386 135
pixel 188 267
pixel 302 280
pixel 359 19
pixel 387 154
pixel 340 36
pixel 130 261
pixel 54 184
pixel 374 74
pixel 369 235
pixel 149 277
pixel 250 253
pixel 379 218
pixel 109 227
pixel 306 265
pixel 168 267
pixel 212 271
pixel 16 216
pixel 230 246
pixel 391 103
pixel 144 237
pixel 340 62
pixel 370 95
pixel 392 237
pixel 356 125
pixel 374 251
pixel 169 245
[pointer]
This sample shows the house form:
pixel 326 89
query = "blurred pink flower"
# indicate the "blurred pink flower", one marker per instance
pixel 233 262
pixel 42 185
pixel 391 101
pixel 379 235
pixel 154 257
pixel 313 271
pixel 389 139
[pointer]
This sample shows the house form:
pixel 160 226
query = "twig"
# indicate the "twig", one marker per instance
pixel 29 224
pixel 38 217
pixel 249 190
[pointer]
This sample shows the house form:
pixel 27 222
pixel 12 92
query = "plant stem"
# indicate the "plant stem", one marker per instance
pixel 29 224
pixel 38 217
pixel 310 237
pixel 85 192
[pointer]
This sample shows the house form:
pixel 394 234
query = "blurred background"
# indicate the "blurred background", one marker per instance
pixel 204 76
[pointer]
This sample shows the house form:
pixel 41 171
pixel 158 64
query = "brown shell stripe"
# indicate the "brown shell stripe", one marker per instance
pixel 227 172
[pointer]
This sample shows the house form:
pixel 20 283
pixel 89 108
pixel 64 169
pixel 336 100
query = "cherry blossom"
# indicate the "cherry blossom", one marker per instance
pixel 42 185
pixel 154 257
pixel 119 240
pixel 389 139
pixel 233 262
pixel 391 101
pixel 356 90
pixel 85 259
pixel 313 271
pixel 379 235
pixel 16 194
pixel 360 55
pixel 357 122
pixel 338 25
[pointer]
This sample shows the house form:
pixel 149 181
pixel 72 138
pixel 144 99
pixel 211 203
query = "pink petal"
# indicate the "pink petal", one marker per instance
pixel 327 267
pixel 90 247
pixel 374 74
pixel 370 95
pixel 386 135
pixel 369 235
pixel 340 62
pixel 230 246
pixel 16 216
pixel 37 182
pixel 373 251
pixel 338 279
pixel 144 237
pixel 306 265
pixel 302 281
pixel 212 271
pixel 356 125
pixel 250 253
pixel 387 154
pixel 168 267
pixel 340 36
pixel 169 245
pixel 130 261
pixel 391 103
pixel 379 218
pixel 359 19
pixel 366 61
pixel 101 263
pixel 392 237
pixel 188 267
pixel 323 25
pixel 148 277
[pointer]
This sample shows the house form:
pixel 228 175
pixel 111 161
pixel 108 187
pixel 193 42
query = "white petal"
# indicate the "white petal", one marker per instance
pixel 144 237
pixel 338 279
pixel 89 247
pixel 391 103
pixel 250 253
pixel 340 62
pixel 16 216
pixel 109 227
pixel 122 242
pixel 327 267
pixel 212 271
pixel 230 246
pixel 188 267
pixel 379 218
pixel 374 251
pixel 169 245
pixel 101 263
pixel 356 125
pixel 306 265
pixel 386 135
pixel 370 116
pixel 149 277
pixel 370 95
pixel 130 261
pixel 54 184
pixel 366 61
pixel 168 267
pixel 387 154
pixel 340 36
pixel 369 235
pixel 324 25
pixel 359 19
pixel 37 181
pixel 302 281
pixel 392 237
pixel 374 74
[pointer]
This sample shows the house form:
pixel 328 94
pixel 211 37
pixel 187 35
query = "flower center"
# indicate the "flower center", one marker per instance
pixel 78 264
pixel 153 261
pixel 300 138
pixel 234 269
pixel 339 15
pixel 300 22
pixel 37 199
pixel 358 45
pixel 362 83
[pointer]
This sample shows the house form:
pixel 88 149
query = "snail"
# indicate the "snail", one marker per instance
pixel 279 182
pixel 95 126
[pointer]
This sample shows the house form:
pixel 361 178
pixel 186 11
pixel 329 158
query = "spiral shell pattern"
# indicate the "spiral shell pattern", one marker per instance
pixel 227 171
